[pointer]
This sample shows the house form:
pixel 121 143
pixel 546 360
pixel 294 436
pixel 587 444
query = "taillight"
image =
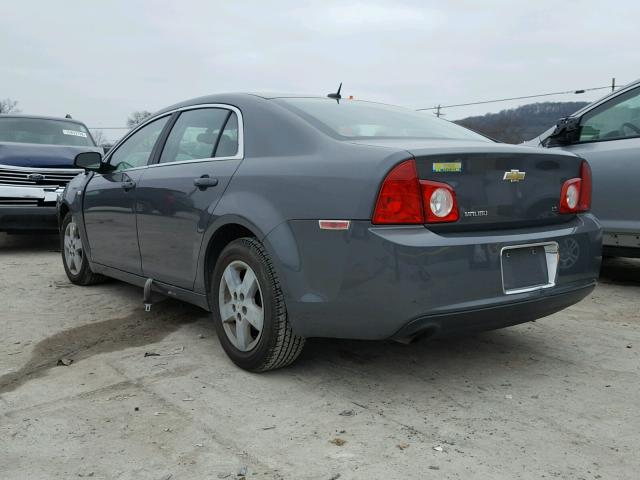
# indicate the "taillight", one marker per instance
pixel 403 199
pixel 584 204
pixel 399 200
pixel 439 201
pixel 575 195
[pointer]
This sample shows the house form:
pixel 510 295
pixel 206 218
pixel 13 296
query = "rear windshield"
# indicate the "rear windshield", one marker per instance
pixel 44 131
pixel 351 119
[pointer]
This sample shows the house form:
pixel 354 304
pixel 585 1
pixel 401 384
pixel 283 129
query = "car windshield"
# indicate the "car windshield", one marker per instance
pixel 44 131
pixel 349 119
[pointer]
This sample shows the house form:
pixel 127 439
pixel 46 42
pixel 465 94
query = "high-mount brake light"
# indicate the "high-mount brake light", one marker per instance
pixel 403 199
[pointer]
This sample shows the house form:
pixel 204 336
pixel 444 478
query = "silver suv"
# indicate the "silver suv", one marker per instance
pixel 607 134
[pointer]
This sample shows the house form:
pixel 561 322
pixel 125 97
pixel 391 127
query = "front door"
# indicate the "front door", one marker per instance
pixel 610 141
pixel 110 201
pixel 177 195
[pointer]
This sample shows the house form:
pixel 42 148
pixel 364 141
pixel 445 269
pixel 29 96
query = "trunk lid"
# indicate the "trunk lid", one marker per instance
pixel 502 188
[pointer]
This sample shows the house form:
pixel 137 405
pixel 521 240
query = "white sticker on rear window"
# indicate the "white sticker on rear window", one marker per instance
pixel 75 133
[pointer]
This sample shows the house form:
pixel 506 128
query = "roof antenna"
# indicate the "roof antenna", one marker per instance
pixel 68 116
pixel 336 96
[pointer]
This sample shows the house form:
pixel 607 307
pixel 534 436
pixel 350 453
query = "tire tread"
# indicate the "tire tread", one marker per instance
pixel 287 346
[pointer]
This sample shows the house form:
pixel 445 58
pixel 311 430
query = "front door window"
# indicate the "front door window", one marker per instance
pixel 617 119
pixel 136 150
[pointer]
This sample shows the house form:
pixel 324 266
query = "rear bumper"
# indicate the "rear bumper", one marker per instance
pixel 378 282
pixel 496 316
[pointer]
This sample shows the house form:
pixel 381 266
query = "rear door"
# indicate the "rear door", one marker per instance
pixel 610 140
pixel 177 195
pixel 110 201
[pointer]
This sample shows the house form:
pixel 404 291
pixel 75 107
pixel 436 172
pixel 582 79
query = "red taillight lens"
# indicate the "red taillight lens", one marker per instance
pixel 439 201
pixel 575 195
pixel 584 204
pixel 399 200
pixel 403 199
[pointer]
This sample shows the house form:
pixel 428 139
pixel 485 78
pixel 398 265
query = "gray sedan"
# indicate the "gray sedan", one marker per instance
pixel 294 217
pixel 607 134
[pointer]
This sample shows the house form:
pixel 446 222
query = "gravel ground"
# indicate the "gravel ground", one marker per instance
pixel 153 396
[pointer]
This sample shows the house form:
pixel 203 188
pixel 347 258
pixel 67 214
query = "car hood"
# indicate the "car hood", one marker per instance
pixel 40 156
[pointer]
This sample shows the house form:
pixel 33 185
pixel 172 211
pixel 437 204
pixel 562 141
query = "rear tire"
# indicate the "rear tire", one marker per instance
pixel 76 265
pixel 244 267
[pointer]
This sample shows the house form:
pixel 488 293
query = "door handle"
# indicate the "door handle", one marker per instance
pixel 128 185
pixel 205 182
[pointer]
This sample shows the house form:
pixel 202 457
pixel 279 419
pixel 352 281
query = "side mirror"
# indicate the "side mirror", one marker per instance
pixel 567 131
pixel 89 161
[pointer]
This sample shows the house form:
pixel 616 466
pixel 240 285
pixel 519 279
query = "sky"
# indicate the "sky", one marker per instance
pixel 99 61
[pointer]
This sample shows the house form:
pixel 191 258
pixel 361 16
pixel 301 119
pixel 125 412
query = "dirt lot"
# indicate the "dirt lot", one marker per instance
pixel 152 396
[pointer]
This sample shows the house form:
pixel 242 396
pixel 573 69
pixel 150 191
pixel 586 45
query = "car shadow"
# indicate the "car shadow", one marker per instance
pixel 489 348
pixel 621 271
pixel 29 242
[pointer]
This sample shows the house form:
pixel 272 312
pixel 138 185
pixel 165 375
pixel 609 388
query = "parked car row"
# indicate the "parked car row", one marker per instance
pixel 290 217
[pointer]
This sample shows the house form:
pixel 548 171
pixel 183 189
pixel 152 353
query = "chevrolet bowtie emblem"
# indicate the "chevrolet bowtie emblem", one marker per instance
pixel 514 176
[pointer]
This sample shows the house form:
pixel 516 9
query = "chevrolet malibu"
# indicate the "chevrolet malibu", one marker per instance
pixel 289 217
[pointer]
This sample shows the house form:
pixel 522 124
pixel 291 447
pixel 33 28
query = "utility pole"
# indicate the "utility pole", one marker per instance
pixel 613 84
pixel 438 111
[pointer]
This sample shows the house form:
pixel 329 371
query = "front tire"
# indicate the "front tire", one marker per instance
pixel 76 265
pixel 248 308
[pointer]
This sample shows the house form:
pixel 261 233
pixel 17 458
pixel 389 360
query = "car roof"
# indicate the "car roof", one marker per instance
pixel 236 99
pixel 40 117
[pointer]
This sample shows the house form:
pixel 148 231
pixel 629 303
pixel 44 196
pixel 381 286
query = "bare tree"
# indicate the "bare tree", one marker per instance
pixel 136 117
pixel 99 137
pixel 9 106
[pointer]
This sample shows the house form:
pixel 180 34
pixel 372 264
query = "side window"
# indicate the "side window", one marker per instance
pixel 617 119
pixel 228 143
pixel 194 135
pixel 136 150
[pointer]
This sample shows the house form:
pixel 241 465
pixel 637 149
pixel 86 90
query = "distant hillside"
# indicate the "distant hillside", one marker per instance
pixel 523 123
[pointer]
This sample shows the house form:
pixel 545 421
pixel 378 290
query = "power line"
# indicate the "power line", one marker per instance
pixel 439 107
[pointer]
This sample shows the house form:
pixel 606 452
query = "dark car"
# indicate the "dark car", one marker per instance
pixel 36 162
pixel 294 217
pixel 607 134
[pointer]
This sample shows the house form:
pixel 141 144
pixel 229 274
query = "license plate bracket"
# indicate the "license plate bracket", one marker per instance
pixel 529 267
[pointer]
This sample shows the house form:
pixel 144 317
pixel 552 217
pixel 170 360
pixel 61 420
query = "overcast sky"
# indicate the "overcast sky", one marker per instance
pixel 101 60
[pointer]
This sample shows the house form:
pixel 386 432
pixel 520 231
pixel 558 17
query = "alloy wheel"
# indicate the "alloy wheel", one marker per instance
pixel 73 251
pixel 241 305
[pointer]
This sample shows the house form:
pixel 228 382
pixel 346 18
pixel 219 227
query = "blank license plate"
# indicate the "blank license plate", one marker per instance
pixel 524 267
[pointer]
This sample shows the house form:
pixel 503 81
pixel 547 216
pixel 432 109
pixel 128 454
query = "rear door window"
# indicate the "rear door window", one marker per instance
pixel 228 143
pixel 195 135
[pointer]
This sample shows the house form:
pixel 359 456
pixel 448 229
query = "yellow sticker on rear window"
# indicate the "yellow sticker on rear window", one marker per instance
pixel 447 167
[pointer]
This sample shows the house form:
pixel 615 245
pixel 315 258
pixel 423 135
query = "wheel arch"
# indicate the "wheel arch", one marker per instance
pixel 222 232
pixel 63 209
